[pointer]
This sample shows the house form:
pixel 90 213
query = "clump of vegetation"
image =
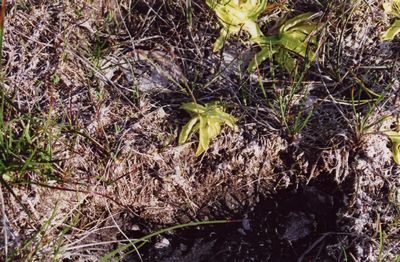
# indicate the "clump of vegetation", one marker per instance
pixel 297 36
pixel 207 121
pixel 25 145
pixel 394 137
pixel 392 8
pixel 236 15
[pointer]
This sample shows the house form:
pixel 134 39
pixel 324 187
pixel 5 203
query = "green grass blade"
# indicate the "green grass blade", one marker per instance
pixel 115 252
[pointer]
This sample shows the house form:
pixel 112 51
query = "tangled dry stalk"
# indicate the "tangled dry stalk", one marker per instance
pixel 97 85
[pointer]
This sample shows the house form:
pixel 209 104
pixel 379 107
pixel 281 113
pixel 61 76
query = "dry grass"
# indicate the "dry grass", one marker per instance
pixel 110 75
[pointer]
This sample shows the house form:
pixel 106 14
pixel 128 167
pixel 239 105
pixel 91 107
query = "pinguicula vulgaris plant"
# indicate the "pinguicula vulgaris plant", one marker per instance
pixel 394 137
pixel 207 120
pixel 236 15
pixel 296 37
pixel 392 8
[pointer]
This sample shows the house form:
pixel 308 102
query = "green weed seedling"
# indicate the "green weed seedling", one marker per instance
pixel 236 15
pixel 296 37
pixel 392 8
pixel 207 120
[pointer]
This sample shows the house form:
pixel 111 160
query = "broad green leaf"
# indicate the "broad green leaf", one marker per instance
pixel 204 136
pixel 207 121
pixel 307 29
pixel 395 139
pixel 187 129
pixel 264 54
pixel 393 30
pixel 392 8
pixel 291 44
pixel 296 37
pixel 287 61
pixel 193 108
pixel 214 127
pixel 235 15
pixel 291 23
pixel 268 41
pixel 225 117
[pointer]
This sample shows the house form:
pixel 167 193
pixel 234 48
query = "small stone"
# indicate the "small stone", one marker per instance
pixel 163 243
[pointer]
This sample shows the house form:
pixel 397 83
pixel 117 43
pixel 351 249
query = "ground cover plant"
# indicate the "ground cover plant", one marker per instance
pixel 392 8
pixel 238 130
pixel 207 121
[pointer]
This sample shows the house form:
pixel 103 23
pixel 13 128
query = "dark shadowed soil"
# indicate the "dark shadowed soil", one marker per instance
pixel 293 224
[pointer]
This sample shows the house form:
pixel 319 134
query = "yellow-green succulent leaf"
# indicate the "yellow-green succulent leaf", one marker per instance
pixel 204 137
pixel 187 129
pixel 387 7
pixel 396 8
pixel 294 36
pixel 253 29
pixel 196 128
pixel 393 135
pixel 219 43
pixel 393 30
pixel 392 8
pixel 227 119
pixel 265 53
pixel 223 118
pixel 308 28
pixel 200 150
pixel 193 108
pixel 396 153
pixel 297 35
pixel 214 127
pixel 295 46
pixel 287 61
pixel 291 23
pixel 395 140
pixel 235 15
pixel 267 41
pixel 207 122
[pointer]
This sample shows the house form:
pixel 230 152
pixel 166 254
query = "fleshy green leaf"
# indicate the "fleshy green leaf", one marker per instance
pixel 193 108
pixel 395 139
pixel 187 129
pixel 204 137
pixel 265 53
pixel 207 121
pixel 392 8
pixel 293 45
pixel 296 37
pixel 214 127
pixel 235 15
pixel 393 30
pixel 287 61
pixel 291 23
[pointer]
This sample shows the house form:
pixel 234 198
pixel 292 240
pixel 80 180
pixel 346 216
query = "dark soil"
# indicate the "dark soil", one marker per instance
pixel 294 224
